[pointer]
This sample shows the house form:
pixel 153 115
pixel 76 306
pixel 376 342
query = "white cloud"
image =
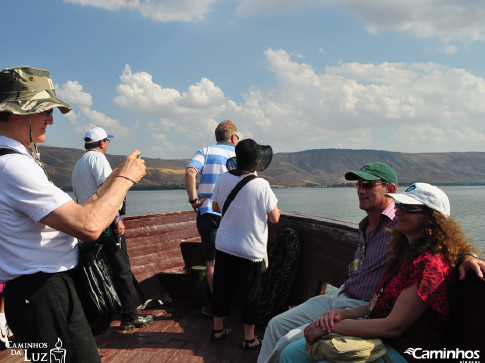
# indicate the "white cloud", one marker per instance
pixel 425 106
pixel 448 20
pixel 157 10
pixel 82 116
pixel 347 101
pixel 202 100
pixel 468 134
pixel 445 19
pixel 72 92
pixel 409 136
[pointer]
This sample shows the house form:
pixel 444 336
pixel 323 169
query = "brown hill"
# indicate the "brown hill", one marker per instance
pixel 318 168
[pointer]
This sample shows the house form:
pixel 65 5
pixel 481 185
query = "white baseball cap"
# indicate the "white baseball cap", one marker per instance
pixel 424 194
pixel 96 134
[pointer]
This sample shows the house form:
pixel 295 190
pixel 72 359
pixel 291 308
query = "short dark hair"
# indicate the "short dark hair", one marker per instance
pixel 92 145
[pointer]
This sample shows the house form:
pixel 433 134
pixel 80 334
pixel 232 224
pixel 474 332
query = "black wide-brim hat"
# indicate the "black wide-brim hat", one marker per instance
pixel 248 155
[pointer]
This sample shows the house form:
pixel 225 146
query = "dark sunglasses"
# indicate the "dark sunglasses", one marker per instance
pixel 49 113
pixel 408 208
pixel 368 184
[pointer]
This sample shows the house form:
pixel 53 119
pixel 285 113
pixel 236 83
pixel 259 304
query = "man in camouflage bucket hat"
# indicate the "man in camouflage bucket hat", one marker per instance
pixel 26 90
pixel 40 223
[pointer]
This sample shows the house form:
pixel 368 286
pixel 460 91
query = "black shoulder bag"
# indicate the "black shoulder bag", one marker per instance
pixel 95 288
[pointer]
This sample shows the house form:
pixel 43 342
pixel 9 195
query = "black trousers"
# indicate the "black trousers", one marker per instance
pixel 43 310
pixel 123 278
pixel 231 272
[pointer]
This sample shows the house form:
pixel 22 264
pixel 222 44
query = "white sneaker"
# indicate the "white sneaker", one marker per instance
pixel 4 330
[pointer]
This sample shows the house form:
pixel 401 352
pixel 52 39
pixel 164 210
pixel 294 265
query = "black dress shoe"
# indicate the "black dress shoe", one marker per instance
pixel 139 322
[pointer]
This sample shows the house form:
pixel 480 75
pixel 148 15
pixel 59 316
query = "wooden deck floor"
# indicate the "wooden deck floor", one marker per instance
pixel 179 333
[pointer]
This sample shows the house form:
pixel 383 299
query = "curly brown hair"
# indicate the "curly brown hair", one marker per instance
pixel 441 235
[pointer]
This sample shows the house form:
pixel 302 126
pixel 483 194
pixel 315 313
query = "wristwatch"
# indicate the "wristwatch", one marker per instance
pixel 193 200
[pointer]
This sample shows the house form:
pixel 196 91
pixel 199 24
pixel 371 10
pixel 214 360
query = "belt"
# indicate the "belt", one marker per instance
pixel 37 278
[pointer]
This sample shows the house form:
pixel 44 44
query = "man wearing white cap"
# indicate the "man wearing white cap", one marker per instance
pixel 90 171
pixel 40 223
pixel 92 168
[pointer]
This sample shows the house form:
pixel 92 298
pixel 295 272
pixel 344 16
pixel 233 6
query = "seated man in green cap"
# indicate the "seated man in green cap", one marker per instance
pixel 40 223
pixel 371 259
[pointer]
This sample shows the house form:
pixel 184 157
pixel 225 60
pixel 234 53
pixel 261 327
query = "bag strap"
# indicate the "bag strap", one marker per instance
pixel 386 358
pixel 5 151
pixel 236 190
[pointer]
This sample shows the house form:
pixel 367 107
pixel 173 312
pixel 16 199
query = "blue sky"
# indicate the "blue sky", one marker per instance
pixel 397 75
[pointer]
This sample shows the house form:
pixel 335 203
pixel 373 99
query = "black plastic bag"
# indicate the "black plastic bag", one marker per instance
pixel 95 288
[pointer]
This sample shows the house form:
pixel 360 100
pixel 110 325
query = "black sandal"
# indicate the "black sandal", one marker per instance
pixel 214 332
pixel 247 342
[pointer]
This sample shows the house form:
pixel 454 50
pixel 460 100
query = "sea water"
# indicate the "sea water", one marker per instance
pixel 467 205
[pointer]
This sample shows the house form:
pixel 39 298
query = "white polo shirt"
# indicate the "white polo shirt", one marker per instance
pixel 27 245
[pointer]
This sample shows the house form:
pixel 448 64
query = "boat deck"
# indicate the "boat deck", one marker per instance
pixel 179 333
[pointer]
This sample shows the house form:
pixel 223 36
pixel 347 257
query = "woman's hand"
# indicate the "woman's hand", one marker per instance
pixel 312 332
pixel 327 321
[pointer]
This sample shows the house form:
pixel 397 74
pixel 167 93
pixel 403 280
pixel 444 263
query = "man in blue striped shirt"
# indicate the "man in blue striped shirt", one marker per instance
pixel 210 163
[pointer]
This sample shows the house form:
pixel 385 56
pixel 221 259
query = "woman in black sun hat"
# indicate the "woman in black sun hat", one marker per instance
pixel 242 236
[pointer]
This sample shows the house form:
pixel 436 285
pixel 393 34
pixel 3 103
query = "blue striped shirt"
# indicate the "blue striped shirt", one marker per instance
pixel 210 163
pixel 372 267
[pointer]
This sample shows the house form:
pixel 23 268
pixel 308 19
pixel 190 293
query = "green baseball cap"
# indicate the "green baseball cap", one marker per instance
pixel 26 90
pixel 373 171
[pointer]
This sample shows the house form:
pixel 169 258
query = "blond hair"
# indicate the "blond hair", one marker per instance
pixel 225 130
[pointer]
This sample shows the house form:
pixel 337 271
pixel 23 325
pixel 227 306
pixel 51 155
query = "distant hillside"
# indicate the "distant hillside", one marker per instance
pixel 312 168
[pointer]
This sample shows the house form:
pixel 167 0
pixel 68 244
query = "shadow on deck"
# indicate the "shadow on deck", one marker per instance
pixel 179 333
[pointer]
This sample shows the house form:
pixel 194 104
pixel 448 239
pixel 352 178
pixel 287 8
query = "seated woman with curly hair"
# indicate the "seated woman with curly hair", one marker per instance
pixel 412 305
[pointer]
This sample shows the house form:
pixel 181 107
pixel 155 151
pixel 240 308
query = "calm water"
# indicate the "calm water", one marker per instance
pixel 467 205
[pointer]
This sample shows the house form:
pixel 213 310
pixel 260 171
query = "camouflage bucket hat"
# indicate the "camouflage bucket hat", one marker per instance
pixel 26 90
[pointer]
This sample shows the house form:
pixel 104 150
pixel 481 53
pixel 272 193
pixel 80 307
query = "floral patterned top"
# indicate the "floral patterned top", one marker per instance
pixel 436 284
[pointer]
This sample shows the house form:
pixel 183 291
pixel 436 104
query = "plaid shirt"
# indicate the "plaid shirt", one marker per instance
pixel 374 263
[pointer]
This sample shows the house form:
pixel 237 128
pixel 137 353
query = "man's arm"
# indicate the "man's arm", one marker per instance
pixel 471 263
pixel 191 182
pixel 86 221
pixel 191 187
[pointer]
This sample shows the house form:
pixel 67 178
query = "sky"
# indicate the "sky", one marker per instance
pixel 395 75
